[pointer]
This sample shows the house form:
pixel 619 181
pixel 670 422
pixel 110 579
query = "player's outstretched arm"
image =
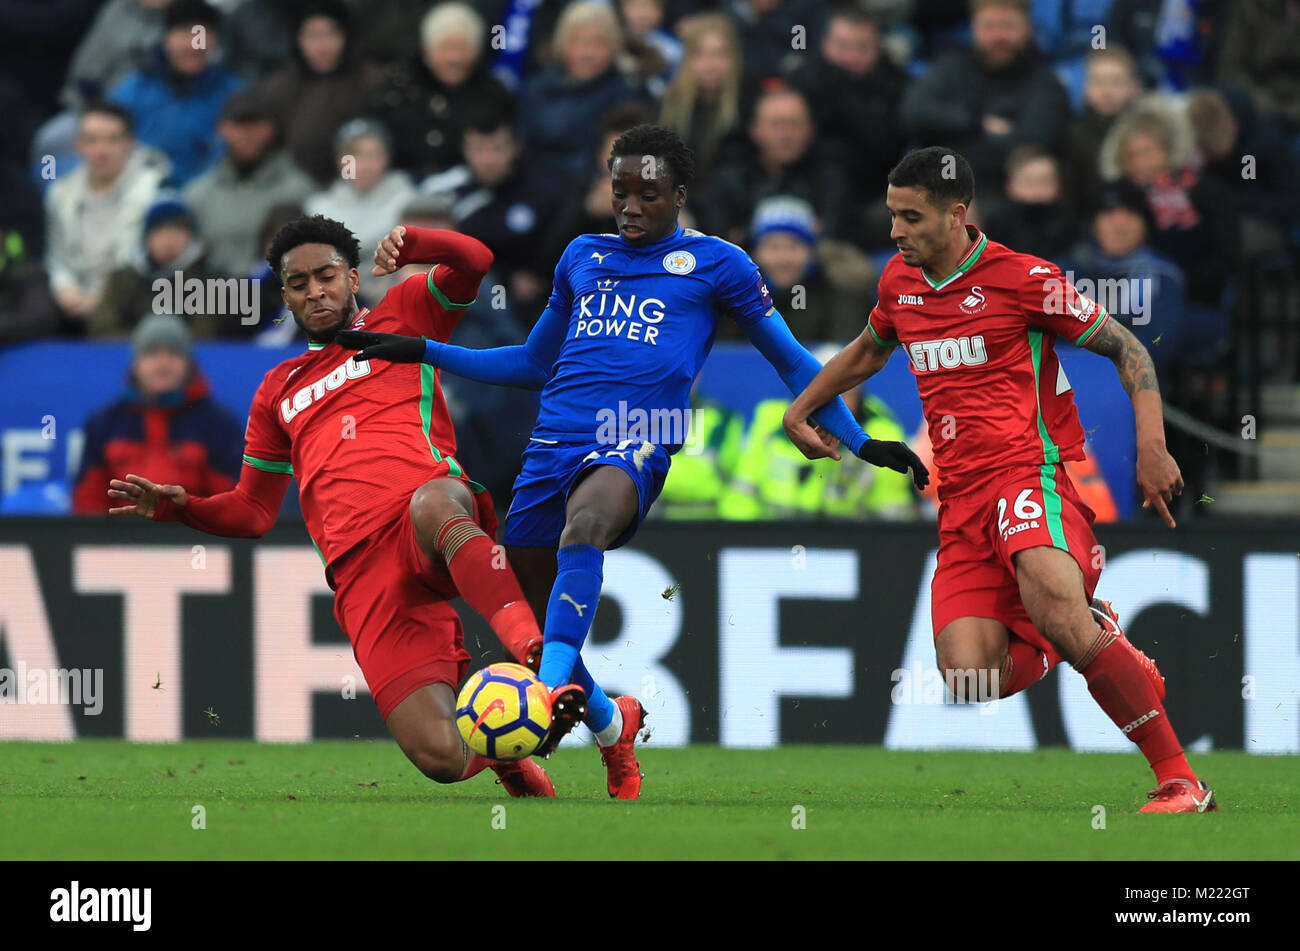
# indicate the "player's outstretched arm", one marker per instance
pixel 1157 472
pixel 856 363
pixel 528 366
pixel 246 511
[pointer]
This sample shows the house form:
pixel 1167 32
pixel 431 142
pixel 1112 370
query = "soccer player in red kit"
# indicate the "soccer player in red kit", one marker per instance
pixel 1012 591
pixel 400 527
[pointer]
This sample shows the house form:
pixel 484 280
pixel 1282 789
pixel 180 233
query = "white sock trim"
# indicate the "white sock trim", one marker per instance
pixel 609 736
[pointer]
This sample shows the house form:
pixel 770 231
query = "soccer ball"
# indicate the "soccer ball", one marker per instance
pixel 503 712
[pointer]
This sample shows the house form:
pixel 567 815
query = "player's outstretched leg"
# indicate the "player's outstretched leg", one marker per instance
pixel 424 725
pixel 444 512
pixel 1051 587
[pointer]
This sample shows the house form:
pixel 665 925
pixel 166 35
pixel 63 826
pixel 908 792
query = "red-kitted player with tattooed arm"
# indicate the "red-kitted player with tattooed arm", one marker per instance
pixel 399 525
pixel 1012 590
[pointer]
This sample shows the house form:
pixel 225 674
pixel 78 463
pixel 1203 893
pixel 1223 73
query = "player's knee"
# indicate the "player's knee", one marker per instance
pixel 587 526
pixel 432 504
pixel 442 766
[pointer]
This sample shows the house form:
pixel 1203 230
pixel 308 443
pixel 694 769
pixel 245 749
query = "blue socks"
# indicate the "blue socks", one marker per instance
pixel 580 571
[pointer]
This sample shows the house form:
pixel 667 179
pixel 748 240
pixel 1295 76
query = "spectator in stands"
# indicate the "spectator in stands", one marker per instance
pixel 1138 286
pixel 768 30
pixel 702 471
pixel 37 40
pixel 95 213
pixel 368 196
pixel 20 200
pixel 560 107
pixel 176 100
pixel 1249 156
pixel 1260 52
pixel 122 39
pixel 231 199
pixel 988 99
pixel 1032 215
pixel 784 241
pixel 258 36
pixel 854 90
pixel 705 100
pixel 654 51
pixel 29 310
pixel 1174 40
pixel 506 200
pixel 171 244
pixel 587 207
pixel 1196 222
pixel 166 424
pixel 1111 82
pixel 423 100
pixel 786 160
pixel 322 87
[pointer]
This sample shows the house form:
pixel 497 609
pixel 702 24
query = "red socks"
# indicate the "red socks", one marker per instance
pixel 1025 665
pixel 487 583
pixel 474 764
pixel 1120 686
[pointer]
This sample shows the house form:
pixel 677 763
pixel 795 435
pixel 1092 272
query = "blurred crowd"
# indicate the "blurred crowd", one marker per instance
pixel 1152 143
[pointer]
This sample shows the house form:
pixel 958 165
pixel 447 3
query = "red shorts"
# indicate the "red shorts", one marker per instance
pixel 393 603
pixel 980 531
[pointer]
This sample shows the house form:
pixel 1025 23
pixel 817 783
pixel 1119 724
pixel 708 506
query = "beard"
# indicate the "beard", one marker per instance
pixel 328 334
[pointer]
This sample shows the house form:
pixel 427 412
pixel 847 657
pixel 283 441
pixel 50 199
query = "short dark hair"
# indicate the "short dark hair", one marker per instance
pixel 944 174
pixel 661 143
pixel 105 108
pixel 314 230
pixel 186 14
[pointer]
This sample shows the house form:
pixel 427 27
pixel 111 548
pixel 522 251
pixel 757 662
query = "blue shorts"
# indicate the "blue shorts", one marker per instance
pixel 550 472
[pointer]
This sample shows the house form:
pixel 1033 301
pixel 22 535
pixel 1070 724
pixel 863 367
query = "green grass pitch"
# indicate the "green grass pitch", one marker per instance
pixel 99 799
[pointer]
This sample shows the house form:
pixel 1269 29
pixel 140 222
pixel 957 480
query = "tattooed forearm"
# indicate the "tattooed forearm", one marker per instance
pixel 1136 371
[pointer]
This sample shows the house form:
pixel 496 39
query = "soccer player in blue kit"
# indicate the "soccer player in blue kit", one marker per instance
pixel 630 320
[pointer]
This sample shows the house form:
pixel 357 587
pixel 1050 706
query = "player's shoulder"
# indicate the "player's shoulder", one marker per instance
pixel 1016 268
pixel 695 248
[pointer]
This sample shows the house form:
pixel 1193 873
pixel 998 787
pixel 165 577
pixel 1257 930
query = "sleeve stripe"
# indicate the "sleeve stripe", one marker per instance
pixel 883 343
pixel 269 465
pixel 442 299
pixel 1105 316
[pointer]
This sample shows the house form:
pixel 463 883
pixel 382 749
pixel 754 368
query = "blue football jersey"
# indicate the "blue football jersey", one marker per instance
pixel 641 322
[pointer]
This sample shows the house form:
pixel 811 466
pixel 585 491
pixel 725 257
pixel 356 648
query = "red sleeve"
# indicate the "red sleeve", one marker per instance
pixel 881 325
pixel 461 263
pixel 247 511
pixel 1050 301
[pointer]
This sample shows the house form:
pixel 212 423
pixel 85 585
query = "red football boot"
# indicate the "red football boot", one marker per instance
pixel 1108 620
pixel 619 759
pixel 524 778
pixel 568 707
pixel 1181 795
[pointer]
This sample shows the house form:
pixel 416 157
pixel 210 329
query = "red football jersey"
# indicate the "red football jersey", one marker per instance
pixel 981 342
pixel 360 437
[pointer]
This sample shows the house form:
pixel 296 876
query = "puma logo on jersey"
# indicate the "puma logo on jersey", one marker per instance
pixel 948 353
pixel 915 300
pixel 351 370
pixel 576 606
pixel 601 257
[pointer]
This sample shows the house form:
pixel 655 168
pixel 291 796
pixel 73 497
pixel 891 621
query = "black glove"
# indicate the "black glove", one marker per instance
pixel 896 456
pixel 373 346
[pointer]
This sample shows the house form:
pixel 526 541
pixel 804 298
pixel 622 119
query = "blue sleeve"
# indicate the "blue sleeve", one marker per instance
pixel 528 366
pixel 797 367
pixel 742 293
